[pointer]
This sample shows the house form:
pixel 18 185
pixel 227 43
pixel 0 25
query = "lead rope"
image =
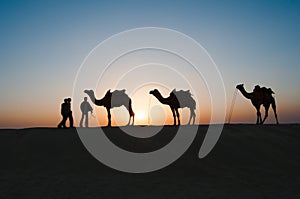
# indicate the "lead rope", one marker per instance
pixel 91 115
pixel 232 106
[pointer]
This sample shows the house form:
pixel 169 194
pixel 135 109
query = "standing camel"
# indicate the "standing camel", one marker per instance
pixel 177 99
pixel 260 96
pixel 113 99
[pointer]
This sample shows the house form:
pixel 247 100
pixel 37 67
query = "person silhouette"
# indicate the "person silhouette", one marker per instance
pixel 85 108
pixel 70 116
pixel 66 113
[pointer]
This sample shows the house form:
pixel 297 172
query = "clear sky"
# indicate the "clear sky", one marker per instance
pixel 43 43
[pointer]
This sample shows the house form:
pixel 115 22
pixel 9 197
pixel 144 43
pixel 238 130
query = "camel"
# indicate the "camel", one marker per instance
pixel 260 96
pixel 178 99
pixel 113 99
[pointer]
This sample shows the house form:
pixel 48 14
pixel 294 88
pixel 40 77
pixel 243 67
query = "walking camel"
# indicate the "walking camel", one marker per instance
pixel 260 96
pixel 113 99
pixel 177 99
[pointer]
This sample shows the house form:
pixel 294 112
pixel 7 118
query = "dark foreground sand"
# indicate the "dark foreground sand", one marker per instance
pixel 248 161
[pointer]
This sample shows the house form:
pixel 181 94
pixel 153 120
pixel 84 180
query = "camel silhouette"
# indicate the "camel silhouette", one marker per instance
pixel 178 99
pixel 260 96
pixel 113 99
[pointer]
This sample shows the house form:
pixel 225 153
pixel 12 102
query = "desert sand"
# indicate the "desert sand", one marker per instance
pixel 249 161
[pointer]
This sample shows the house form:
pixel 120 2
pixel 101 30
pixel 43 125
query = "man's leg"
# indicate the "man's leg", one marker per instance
pixel 71 119
pixel 86 120
pixel 60 125
pixel 81 120
pixel 63 122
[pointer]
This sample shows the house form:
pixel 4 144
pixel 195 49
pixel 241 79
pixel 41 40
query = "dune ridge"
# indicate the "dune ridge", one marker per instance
pixel 249 161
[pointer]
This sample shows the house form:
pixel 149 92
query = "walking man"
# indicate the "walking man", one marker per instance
pixel 66 113
pixel 85 108
pixel 70 116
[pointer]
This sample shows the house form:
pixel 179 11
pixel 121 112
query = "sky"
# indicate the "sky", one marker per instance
pixel 44 43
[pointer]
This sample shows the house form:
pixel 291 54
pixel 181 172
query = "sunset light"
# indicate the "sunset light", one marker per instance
pixel 141 117
pixel 41 58
pixel 150 99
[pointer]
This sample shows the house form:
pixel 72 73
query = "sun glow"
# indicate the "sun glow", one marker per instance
pixel 141 117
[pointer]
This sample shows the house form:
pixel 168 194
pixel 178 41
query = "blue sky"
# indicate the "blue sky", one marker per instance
pixel 43 44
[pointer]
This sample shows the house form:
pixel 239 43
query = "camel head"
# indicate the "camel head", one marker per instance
pixel 154 92
pixel 239 86
pixel 89 92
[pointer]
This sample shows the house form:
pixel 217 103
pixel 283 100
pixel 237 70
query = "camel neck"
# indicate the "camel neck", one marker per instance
pixel 161 98
pixel 94 100
pixel 245 93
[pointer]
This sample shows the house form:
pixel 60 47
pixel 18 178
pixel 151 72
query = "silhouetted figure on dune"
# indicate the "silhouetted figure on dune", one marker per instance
pixel 260 96
pixel 85 108
pixel 66 113
pixel 178 99
pixel 113 99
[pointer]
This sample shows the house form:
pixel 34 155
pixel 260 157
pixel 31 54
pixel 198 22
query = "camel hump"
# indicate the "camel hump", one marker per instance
pixel 119 92
pixel 262 90
pixel 182 93
pixel 267 90
pixel 185 98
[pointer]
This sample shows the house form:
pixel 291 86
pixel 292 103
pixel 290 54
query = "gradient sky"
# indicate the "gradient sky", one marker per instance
pixel 43 43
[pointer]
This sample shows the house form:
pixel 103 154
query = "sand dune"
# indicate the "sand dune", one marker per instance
pixel 248 161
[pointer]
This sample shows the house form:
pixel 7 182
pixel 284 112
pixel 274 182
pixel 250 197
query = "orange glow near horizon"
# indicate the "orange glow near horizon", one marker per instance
pixel 160 115
pixel 148 111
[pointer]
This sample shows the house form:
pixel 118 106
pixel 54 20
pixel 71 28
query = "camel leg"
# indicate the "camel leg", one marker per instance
pixel 178 116
pixel 275 112
pixel 108 116
pixel 132 119
pixel 131 113
pixel 258 115
pixel 192 115
pixel 266 113
pixel 174 116
pixel 129 118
